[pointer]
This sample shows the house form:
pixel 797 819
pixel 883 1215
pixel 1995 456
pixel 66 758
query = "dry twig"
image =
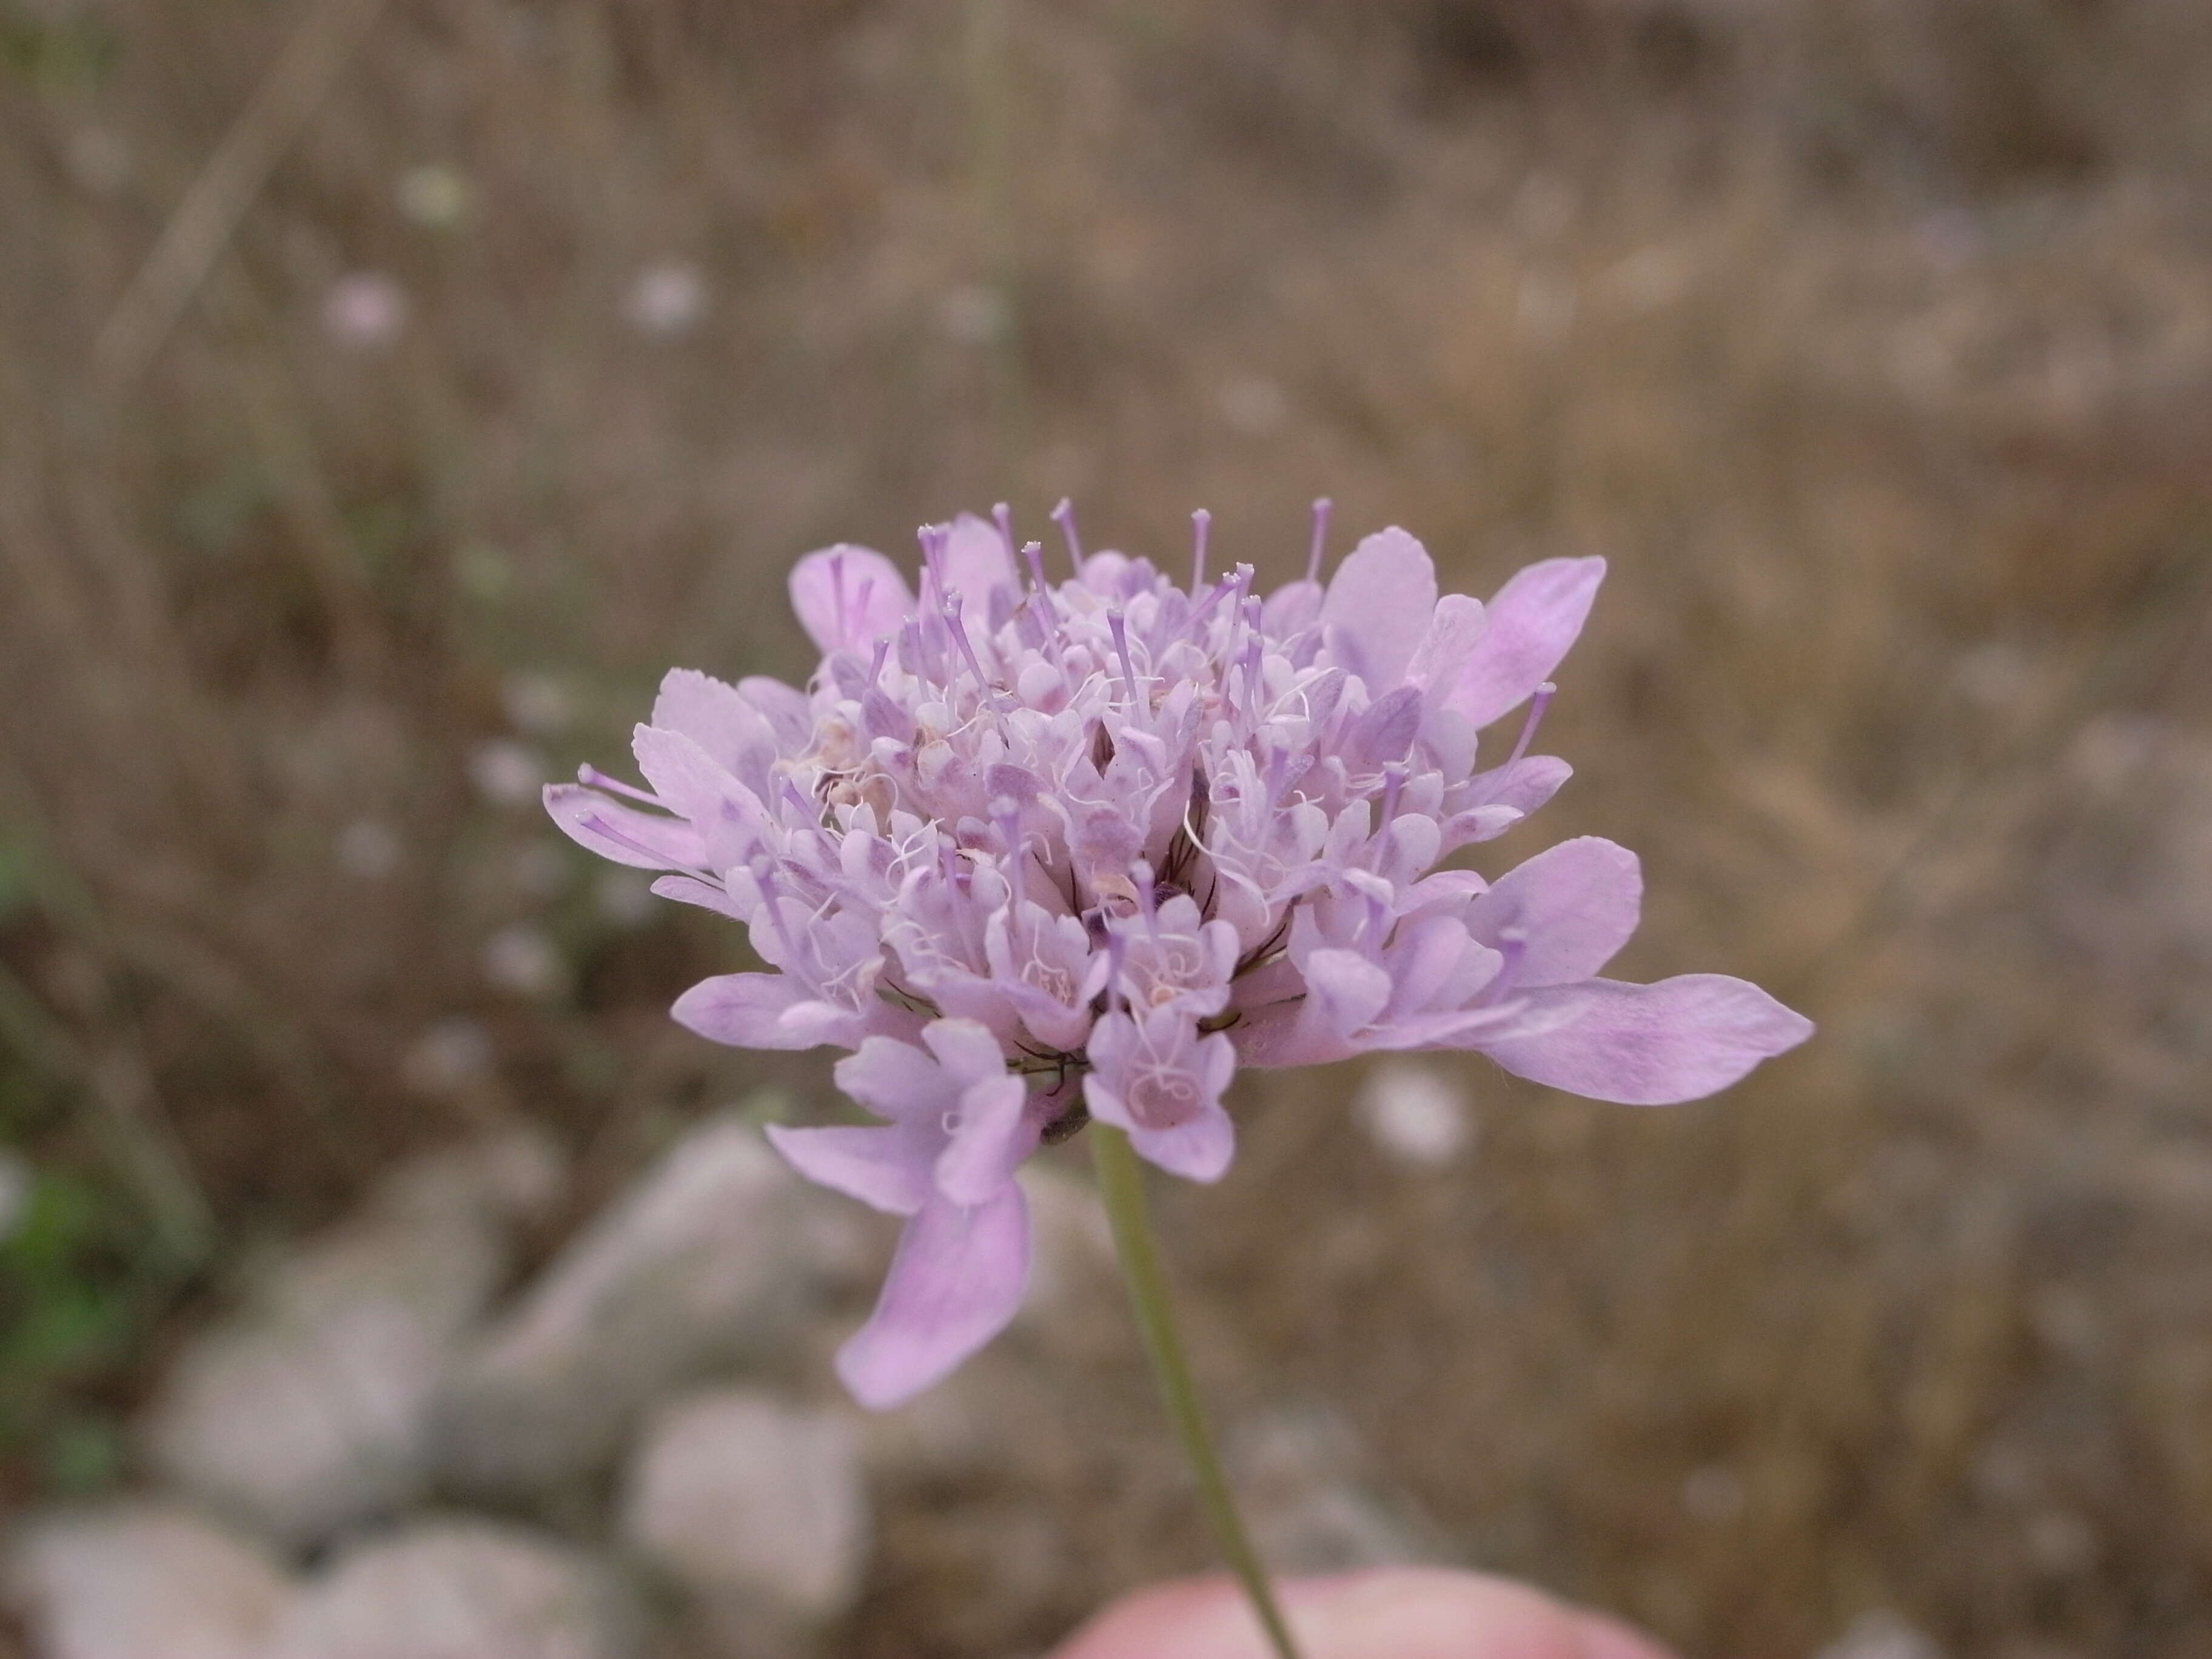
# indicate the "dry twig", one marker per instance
pixel 209 213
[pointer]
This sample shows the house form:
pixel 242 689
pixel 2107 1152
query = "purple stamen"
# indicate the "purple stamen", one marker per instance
pixel 1140 876
pixel 1064 516
pixel 837 593
pixel 593 820
pixel 967 647
pixel 1232 637
pixel 1393 780
pixel 1117 953
pixel 1242 577
pixel 1048 625
pixel 764 878
pixel 1536 707
pixel 1040 605
pixel 1204 608
pixel 1115 622
pixel 932 538
pixel 1513 945
pixel 1255 655
pixel 1321 511
pixel 1003 516
pixel 591 777
pixel 1201 522
pixel 876 668
pixel 911 656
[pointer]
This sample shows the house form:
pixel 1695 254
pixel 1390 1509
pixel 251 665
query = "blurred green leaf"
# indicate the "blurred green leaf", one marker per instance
pixel 67 1325
pixel 66 53
pixel 72 1300
pixel 82 1455
pixel 219 514
pixel 483 572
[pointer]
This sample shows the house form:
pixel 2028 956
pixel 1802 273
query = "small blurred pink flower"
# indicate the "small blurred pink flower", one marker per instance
pixel 974 314
pixel 367 849
pixel 506 773
pixel 537 704
pixel 521 960
pixel 450 1056
pixel 666 299
pixel 365 311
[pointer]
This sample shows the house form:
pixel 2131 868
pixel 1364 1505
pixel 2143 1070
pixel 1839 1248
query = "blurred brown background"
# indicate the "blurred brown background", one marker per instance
pixel 1870 339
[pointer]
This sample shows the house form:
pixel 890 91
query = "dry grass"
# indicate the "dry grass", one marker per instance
pixel 1872 341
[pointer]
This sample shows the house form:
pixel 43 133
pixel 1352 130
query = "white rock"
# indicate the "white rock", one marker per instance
pixel 1302 1477
pixel 951 1431
pixel 1880 1636
pixel 365 310
pixel 460 1590
pixel 755 1508
pixel 1075 1316
pixel 1713 1491
pixel 711 1259
pixel 142 1580
pixel 308 1409
pixel 1077 1307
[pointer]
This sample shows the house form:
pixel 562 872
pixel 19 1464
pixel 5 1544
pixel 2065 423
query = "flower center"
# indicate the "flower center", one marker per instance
pixel 1055 982
pixel 1160 1098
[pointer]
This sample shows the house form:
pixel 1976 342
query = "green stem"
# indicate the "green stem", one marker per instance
pixel 1121 1184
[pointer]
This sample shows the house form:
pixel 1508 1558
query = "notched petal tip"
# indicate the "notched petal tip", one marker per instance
pixel 1379 605
pixel 1575 905
pixel 847 598
pixel 620 834
pixel 1532 621
pixel 1201 1151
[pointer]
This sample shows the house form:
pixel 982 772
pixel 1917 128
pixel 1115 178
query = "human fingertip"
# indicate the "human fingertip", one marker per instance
pixel 1608 1638
pixel 1401 1612
pixel 1163 1620
pixel 1430 1613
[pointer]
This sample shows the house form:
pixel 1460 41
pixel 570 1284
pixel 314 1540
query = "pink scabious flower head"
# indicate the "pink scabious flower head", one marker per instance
pixel 1034 852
